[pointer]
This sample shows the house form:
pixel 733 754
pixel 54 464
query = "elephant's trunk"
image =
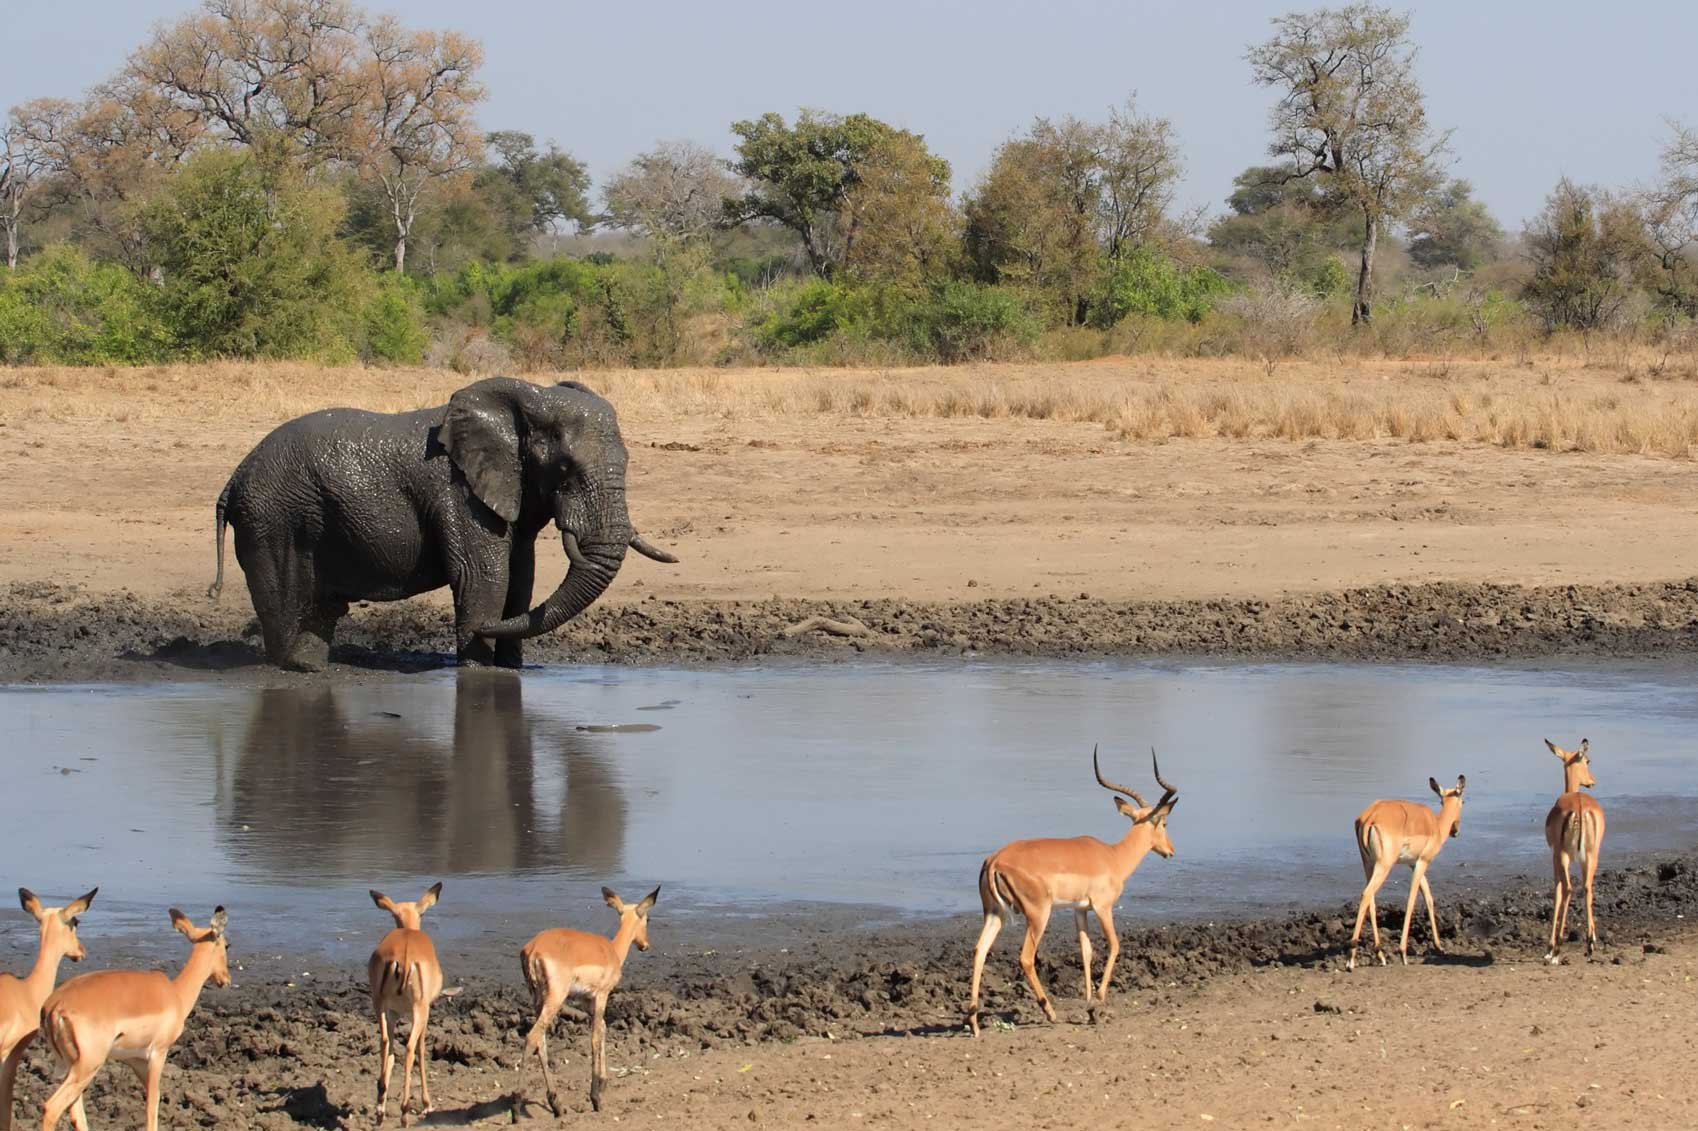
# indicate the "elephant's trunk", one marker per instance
pixel 594 564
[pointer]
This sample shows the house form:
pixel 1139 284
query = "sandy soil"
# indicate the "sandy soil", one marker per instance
pixel 107 482
pixel 1231 1025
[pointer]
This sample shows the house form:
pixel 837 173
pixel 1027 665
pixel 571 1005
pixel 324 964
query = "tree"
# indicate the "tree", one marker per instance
pixel 1070 199
pixel 23 165
pixel 260 73
pixel 801 176
pixel 1671 220
pixel 899 222
pixel 1289 227
pixel 414 121
pixel 1452 229
pixel 536 192
pixel 1586 247
pixel 1351 112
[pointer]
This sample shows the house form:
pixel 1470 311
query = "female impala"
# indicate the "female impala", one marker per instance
pixel 21 998
pixel 405 977
pixel 1573 828
pixel 562 963
pixel 1033 876
pixel 129 1015
pixel 1402 832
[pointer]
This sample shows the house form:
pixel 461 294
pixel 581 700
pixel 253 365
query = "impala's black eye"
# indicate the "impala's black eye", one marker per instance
pixel 75 922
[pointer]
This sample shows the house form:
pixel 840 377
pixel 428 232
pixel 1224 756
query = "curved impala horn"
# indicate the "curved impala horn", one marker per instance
pixel 1106 784
pixel 655 553
pixel 1169 792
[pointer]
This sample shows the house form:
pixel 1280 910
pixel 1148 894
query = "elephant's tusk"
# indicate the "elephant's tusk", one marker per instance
pixel 641 545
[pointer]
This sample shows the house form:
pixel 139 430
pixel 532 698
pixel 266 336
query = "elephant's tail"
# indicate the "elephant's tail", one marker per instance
pixel 217 585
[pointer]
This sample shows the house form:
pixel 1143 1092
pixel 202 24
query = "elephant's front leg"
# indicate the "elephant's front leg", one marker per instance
pixel 521 578
pixel 479 584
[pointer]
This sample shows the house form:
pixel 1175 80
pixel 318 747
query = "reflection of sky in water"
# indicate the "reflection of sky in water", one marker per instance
pixel 877 784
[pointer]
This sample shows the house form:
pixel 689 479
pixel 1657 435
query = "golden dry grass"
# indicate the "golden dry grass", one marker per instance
pixel 1558 403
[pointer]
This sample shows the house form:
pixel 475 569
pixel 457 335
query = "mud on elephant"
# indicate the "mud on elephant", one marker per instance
pixel 344 505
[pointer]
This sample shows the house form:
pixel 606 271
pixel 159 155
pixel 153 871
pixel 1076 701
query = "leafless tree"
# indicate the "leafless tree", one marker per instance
pixel 673 193
pixel 1670 209
pixel 23 165
pixel 1139 162
pixel 1351 111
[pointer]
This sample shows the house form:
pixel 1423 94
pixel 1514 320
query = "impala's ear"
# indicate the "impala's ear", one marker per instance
pixel 1585 744
pixel 611 898
pixel 431 895
pixel 182 923
pixel 1554 748
pixel 1433 784
pixel 648 901
pixel 1163 812
pixel 219 920
pixel 78 905
pixel 1127 809
pixel 381 900
pixel 480 434
pixel 27 899
pixel 1461 783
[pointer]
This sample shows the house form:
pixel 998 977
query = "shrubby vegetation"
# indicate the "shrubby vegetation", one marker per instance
pixel 223 197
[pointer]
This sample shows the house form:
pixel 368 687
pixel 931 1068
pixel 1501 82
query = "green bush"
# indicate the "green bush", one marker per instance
pixel 251 263
pixel 1147 283
pixel 62 307
pixel 958 321
pixel 394 323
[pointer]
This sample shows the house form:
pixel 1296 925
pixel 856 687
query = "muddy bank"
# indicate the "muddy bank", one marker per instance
pixel 280 1050
pixel 55 632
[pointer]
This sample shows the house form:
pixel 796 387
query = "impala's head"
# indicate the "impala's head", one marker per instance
pixel 1576 766
pixel 1155 816
pixel 212 936
pixel 1450 800
pixel 633 915
pixel 58 924
pixel 407 914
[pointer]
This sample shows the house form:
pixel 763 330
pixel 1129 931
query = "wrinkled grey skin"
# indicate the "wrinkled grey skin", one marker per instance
pixel 344 505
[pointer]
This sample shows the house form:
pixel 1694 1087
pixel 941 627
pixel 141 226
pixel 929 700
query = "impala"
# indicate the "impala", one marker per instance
pixel 405 977
pixel 21 998
pixel 1031 877
pixel 1403 832
pixel 1574 828
pixel 133 1016
pixel 562 963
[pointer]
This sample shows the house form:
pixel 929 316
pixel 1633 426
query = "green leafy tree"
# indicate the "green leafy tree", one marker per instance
pixel 250 263
pixel 535 192
pixel 1351 112
pixel 1452 229
pixel 1586 248
pixel 1288 227
pixel 805 177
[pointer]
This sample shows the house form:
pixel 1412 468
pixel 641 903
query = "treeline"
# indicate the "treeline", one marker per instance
pixel 298 178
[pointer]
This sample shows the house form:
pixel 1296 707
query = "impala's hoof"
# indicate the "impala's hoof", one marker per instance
pixel 1382 959
pixel 1552 960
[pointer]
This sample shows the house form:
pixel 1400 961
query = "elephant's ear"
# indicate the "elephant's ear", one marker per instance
pixel 481 437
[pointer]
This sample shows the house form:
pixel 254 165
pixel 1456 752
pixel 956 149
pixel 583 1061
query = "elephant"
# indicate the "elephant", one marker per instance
pixel 344 505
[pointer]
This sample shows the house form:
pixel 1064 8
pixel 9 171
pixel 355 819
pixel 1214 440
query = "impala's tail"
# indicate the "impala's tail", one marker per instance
pixel 396 978
pixel 61 1038
pixel 217 585
pixel 995 892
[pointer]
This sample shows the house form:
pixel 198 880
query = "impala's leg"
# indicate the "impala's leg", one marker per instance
pixel 150 1072
pixel 1375 872
pixel 69 1094
pixel 1080 922
pixel 1591 865
pixel 537 1038
pixel 598 1049
pixel 8 1077
pixel 421 1035
pixel 1558 866
pixel 1037 918
pixel 1105 916
pixel 385 1062
pixel 987 935
pixel 1432 916
pixel 1417 880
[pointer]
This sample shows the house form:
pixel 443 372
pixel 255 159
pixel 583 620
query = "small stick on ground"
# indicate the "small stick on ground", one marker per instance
pixel 850 627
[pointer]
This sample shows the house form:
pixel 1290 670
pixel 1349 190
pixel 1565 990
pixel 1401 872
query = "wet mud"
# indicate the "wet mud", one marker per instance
pixel 54 632
pixel 276 1052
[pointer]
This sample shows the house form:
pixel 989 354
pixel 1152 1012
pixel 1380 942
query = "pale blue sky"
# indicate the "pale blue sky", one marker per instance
pixel 1534 89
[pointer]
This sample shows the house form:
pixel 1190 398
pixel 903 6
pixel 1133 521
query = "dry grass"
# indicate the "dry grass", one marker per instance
pixel 1553 402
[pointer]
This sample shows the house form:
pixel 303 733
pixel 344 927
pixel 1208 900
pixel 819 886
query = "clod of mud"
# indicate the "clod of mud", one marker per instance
pixel 52 632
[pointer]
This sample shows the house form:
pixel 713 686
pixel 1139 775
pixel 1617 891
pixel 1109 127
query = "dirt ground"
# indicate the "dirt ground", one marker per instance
pixel 1230 1024
pixel 787 496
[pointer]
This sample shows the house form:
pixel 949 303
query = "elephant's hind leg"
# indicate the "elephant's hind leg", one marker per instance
pixel 296 628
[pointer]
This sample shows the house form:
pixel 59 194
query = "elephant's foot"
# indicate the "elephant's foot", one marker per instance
pixel 509 653
pixel 311 653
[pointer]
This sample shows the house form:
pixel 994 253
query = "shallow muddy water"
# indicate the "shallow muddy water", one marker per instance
pixel 875 787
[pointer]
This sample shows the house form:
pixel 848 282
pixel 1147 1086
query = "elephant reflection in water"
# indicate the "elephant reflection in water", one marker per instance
pixel 321 789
